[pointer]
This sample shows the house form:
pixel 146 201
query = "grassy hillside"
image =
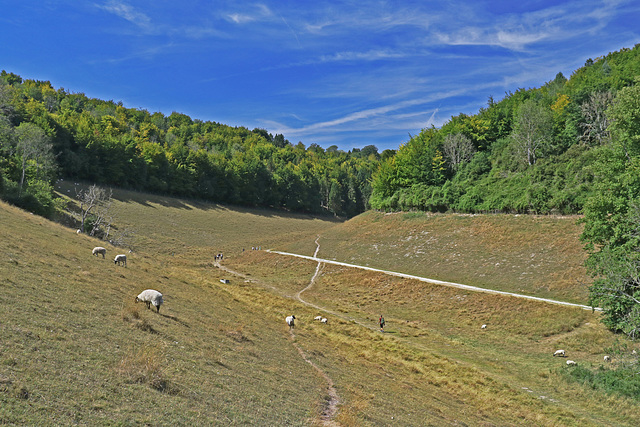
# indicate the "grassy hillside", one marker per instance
pixel 76 349
pixel 534 255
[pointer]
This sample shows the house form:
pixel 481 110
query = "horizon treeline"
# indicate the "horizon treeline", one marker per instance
pixel 531 152
pixel 48 133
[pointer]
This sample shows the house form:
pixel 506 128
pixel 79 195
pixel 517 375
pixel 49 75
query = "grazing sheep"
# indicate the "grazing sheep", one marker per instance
pixel 324 320
pixel 150 297
pixel 99 250
pixel 318 318
pixel 571 363
pixel 120 260
pixel 483 327
pixel 559 353
pixel 607 358
pixel 78 231
pixel 290 321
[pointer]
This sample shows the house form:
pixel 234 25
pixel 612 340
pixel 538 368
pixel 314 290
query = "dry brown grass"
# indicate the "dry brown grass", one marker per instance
pixel 435 362
pixel 221 353
pixel 144 365
pixel 539 256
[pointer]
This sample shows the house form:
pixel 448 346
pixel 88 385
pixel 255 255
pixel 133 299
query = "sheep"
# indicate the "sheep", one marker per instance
pixel 318 318
pixel 324 320
pixel 559 353
pixel 571 363
pixel 99 250
pixel 149 297
pixel 483 327
pixel 78 231
pixel 290 321
pixel 120 260
pixel 607 358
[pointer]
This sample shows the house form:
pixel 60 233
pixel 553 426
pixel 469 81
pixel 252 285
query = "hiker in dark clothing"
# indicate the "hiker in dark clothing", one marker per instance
pixel 381 321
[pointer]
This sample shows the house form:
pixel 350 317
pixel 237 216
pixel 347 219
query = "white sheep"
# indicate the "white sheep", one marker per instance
pixel 149 297
pixel 571 363
pixel 318 318
pixel 483 327
pixel 78 231
pixel 559 353
pixel 120 260
pixel 324 320
pixel 99 250
pixel 607 358
pixel 290 321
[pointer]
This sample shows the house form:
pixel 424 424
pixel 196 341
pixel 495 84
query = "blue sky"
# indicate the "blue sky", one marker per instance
pixel 345 73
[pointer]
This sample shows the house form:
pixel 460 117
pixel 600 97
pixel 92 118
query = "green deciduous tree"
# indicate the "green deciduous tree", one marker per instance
pixel 34 149
pixel 612 218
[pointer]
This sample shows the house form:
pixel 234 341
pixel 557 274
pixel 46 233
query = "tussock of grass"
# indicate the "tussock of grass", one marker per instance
pixel 145 366
pixel 130 313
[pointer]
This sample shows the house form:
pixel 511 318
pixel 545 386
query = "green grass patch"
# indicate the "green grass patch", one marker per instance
pixel 624 381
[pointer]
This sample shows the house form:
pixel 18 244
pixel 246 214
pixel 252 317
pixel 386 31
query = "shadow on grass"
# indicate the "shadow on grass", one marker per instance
pixel 149 199
pixel 175 319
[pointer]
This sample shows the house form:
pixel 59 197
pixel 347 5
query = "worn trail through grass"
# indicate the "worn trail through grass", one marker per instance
pixel 330 407
pixel 434 281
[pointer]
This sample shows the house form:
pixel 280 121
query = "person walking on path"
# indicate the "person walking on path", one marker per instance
pixel 381 321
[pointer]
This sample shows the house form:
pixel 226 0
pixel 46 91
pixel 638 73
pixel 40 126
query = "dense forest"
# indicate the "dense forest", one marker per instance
pixel 47 133
pixel 531 152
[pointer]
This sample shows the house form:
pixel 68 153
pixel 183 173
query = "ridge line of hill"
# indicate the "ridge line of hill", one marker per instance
pixel 439 282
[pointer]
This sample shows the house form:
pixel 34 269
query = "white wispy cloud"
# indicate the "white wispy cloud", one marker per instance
pixel 358 116
pixel 146 54
pixel 260 12
pixel 513 40
pixel 127 12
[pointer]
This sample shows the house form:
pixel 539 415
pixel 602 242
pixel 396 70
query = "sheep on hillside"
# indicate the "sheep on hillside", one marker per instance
pixel 607 358
pixel 318 318
pixel 99 250
pixel 120 260
pixel 559 353
pixel 290 321
pixel 483 327
pixel 571 363
pixel 149 297
pixel 324 320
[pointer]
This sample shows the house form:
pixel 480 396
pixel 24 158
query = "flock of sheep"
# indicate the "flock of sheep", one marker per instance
pixel 119 259
pixel 291 320
pixel 149 296
pixel 562 353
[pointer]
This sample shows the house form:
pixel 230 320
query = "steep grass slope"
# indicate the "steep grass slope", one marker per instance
pixel 534 255
pixel 76 349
